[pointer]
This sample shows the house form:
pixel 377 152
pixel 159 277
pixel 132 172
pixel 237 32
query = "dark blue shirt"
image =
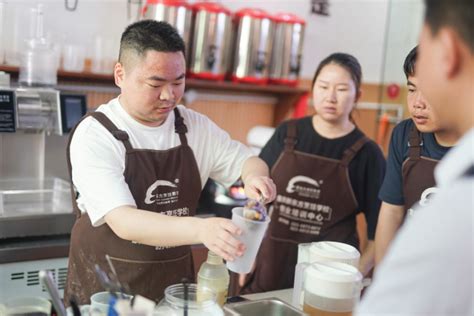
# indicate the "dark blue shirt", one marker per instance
pixel 392 187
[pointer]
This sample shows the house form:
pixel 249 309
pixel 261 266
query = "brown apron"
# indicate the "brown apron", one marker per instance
pixel 314 202
pixel 162 181
pixel 418 173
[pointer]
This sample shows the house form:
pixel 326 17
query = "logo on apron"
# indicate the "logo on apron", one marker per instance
pixel 162 198
pixel 425 198
pixel 304 186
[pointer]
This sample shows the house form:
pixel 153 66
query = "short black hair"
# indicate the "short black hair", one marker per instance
pixel 346 61
pixel 458 14
pixel 410 62
pixel 146 35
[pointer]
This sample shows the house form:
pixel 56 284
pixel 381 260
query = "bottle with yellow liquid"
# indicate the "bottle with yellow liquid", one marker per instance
pixel 213 275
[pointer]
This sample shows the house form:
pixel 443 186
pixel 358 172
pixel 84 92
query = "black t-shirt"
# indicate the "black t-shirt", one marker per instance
pixel 392 187
pixel 366 170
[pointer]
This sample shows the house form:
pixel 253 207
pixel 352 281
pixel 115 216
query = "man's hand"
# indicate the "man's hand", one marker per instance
pixel 256 186
pixel 218 235
pixel 255 175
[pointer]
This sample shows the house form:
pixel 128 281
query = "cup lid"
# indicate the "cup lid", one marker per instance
pixel 333 250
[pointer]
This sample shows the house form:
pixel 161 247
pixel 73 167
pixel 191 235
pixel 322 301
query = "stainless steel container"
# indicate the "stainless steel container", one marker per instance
pixel 178 13
pixel 269 306
pixel 287 49
pixel 253 46
pixel 212 39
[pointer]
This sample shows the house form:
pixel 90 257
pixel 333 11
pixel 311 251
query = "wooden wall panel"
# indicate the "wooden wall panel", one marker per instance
pixel 237 118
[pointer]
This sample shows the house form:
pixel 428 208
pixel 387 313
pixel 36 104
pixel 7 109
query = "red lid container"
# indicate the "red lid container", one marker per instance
pixel 211 7
pixel 254 13
pixel 288 18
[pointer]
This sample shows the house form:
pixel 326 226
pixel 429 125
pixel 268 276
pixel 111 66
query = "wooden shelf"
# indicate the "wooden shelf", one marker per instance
pixel 88 77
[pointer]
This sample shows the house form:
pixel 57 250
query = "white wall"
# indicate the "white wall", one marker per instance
pixel 354 26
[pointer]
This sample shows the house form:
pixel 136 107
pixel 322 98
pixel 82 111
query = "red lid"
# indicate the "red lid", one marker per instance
pixel 211 7
pixel 288 18
pixel 207 76
pixel 254 13
pixel 252 80
pixel 173 3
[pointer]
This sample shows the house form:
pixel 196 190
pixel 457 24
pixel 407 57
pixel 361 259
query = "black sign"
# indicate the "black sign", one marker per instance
pixel 7 112
pixel 320 7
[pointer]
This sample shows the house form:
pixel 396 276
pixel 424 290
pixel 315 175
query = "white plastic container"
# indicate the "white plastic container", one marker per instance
pixel 252 236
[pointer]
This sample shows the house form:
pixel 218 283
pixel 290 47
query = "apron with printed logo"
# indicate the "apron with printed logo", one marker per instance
pixel 161 181
pixel 418 173
pixel 314 202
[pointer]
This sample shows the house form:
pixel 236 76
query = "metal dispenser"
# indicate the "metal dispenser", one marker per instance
pixel 27 197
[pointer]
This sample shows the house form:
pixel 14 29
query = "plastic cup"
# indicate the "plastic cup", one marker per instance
pixel 73 58
pixel 28 305
pixel 100 301
pixel 252 235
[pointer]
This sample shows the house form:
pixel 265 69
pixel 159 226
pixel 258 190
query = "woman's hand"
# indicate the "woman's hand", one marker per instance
pixel 218 235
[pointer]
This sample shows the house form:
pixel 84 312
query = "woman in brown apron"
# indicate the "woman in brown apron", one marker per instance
pixel 326 172
pixel 416 146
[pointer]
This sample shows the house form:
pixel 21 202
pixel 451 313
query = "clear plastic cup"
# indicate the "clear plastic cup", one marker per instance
pixel 28 305
pixel 100 302
pixel 252 235
pixel 73 57
pixel 104 55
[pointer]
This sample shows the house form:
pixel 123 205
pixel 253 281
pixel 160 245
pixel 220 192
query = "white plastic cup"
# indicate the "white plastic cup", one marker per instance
pixel 26 305
pixel 100 301
pixel 252 235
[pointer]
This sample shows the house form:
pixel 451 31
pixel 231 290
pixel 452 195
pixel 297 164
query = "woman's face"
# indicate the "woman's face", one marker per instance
pixel 334 94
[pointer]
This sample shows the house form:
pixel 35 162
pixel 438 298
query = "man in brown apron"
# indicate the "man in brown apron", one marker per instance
pixel 148 243
pixel 138 265
pixel 413 155
pixel 315 202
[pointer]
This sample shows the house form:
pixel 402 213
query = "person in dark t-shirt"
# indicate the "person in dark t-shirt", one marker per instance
pixel 326 172
pixel 416 146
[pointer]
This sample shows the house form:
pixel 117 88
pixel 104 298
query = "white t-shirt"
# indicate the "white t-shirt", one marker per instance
pixel 98 159
pixel 429 267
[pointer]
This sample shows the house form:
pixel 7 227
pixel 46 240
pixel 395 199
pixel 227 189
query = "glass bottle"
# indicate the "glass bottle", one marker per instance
pixel 181 299
pixel 213 275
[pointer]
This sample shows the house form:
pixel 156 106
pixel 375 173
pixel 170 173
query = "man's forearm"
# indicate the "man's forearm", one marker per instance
pixel 367 258
pixel 390 220
pixel 254 166
pixel 153 229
